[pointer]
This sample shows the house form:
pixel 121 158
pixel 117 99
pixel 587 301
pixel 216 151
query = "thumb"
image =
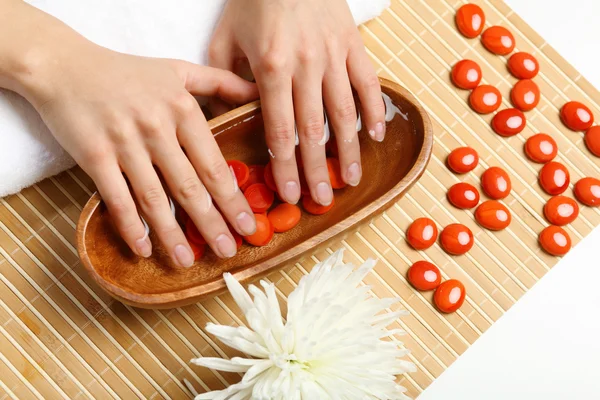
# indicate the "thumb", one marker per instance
pixel 219 56
pixel 208 81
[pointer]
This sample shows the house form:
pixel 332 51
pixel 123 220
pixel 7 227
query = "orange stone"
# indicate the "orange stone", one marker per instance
pixel 498 40
pixel 555 241
pixel 485 99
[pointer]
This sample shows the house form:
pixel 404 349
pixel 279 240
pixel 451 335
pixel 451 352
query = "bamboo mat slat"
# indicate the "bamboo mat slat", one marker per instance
pixel 62 337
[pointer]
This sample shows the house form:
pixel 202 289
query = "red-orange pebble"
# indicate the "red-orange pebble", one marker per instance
pixel 456 239
pixel 592 140
pixel 541 148
pixel 422 233
pixel 554 178
pixel 561 210
pixel 555 240
pixel 485 99
pixel 508 122
pixel 470 20
pixel 525 95
pixel 523 65
pixel 463 159
pixel 466 74
pixel 463 195
pixel 423 275
pixel 449 296
pixel 498 40
pixel 587 191
pixel 198 250
pixel 576 116
pixel 496 183
pixel 493 215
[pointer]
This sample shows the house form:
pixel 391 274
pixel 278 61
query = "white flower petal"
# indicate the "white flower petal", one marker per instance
pixel 334 343
pixel 240 296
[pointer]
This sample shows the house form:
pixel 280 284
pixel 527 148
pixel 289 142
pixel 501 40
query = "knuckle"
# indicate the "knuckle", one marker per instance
pixel 313 128
pixel 218 172
pixel 190 189
pixel 151 198
pixel 282 132
pixel 151 125
pixel 215 50
pixel 371 83
pixel 184 104
pixel 119 134
pixel 117 207
pixel 273 61
pixel 95 156
pixel 345 110
pixel 307 55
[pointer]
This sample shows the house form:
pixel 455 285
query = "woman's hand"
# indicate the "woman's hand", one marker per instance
pixel 304 54
pixel 122 115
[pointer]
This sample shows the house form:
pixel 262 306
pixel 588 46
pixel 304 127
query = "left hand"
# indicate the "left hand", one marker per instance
pixel 303 55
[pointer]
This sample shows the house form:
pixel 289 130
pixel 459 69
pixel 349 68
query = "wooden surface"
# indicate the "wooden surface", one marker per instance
pixel 155 282
pixel 63 337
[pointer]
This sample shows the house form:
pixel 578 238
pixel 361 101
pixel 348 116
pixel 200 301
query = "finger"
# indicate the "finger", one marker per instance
pixel 310 118
pixel 278 114
pixel 116 195
pixel 192 195
pixel 364 79
pixel 156 207
pixel 209 164
pixel 207 81
pixel 341 110
pixel 220 56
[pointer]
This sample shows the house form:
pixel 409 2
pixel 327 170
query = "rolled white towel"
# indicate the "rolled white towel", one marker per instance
pixel 28 152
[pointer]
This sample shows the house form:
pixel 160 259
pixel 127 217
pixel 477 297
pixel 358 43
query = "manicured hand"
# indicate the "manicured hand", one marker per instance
pixel 133 119
pixel 306 57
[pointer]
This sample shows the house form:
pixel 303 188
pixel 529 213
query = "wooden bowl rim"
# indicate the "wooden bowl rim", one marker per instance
pixel 217 286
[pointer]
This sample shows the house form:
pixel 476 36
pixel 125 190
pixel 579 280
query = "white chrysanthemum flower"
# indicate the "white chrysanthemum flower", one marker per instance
pixel 330 346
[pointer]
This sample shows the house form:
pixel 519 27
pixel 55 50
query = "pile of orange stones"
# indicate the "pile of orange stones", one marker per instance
pixel 540 148
pixel 272 216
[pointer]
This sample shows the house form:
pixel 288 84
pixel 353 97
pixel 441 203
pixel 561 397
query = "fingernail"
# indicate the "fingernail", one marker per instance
pixel 324 194
pixel 292 192
pixel 184 257
pixel 226 246
pixel 143 246
pixel 372 134
pixel 379 131
pixel 354 174
pixel 235 182
pixel 246 223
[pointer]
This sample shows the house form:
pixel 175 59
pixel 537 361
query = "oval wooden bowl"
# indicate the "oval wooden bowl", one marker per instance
pixel 389 170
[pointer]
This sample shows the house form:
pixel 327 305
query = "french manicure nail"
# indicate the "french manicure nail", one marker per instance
pixel 235 182
pixel 184 257
pixel 291 192
pixel 372 134
pixel 143 246
pixel 354 174
pixel 226 246
pixel 379 131
pixel 324 194
pixel 246 223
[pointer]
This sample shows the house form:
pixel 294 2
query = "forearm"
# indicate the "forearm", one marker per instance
pixel 33 44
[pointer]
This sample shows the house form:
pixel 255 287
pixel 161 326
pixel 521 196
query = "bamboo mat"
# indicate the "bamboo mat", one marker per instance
pixel 62 337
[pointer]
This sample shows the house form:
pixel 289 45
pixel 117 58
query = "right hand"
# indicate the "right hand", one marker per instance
pixel 123 116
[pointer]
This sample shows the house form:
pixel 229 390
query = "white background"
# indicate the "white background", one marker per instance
pixel 548 345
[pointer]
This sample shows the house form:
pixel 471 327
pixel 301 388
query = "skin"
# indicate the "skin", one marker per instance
pixel 123 116
pixel 306 56
pixel 133 124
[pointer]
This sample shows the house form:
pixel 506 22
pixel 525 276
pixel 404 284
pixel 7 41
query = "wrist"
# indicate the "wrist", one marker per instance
pixel 29 63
